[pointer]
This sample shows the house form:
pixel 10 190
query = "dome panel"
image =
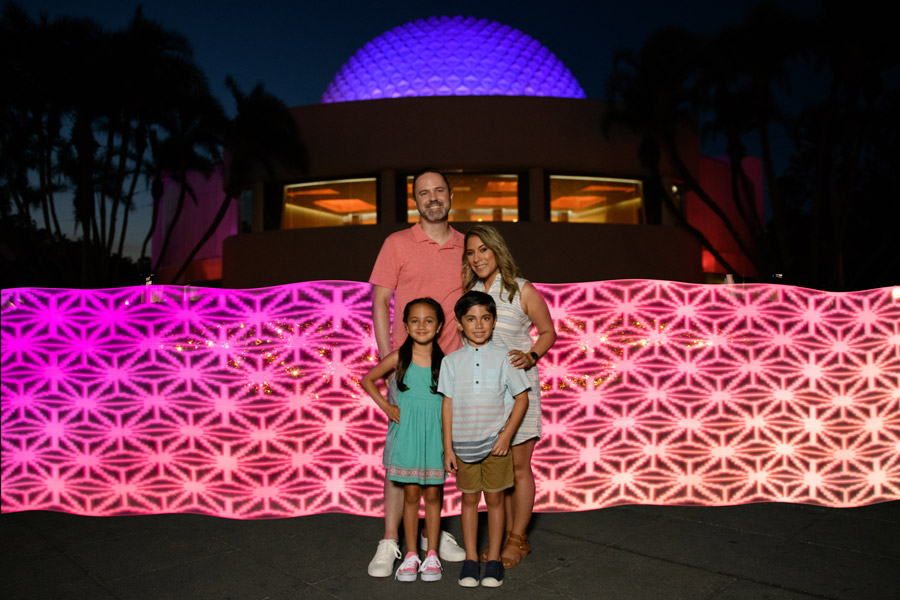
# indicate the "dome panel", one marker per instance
pixel 454 56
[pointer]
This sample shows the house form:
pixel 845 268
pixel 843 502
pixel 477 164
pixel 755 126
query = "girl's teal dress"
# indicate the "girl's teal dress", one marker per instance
pixel 414 449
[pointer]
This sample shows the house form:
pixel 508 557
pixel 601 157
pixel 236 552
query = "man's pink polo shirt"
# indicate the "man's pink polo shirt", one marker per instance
pixel 414 266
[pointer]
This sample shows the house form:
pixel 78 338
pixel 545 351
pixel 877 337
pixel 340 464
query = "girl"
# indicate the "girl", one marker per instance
pixel 414 450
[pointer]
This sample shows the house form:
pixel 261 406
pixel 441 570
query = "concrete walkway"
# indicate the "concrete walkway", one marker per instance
pixel 771 551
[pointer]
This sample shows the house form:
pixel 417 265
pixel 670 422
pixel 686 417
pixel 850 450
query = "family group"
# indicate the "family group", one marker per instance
pixel 463 397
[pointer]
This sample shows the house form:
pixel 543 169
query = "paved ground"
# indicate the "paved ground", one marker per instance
pixel 763 551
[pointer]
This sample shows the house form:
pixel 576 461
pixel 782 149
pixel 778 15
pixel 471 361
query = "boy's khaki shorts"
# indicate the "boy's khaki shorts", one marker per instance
pixel 491 474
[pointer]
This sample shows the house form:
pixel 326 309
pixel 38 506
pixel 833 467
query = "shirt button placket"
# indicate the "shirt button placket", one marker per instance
pixel 477 373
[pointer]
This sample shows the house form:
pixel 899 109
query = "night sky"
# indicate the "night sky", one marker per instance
pixel 295 48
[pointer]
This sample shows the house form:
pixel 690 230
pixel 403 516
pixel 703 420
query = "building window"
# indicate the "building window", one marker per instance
pixel 245 211
pixel 596 200
pixel 476 198
pixel 330 203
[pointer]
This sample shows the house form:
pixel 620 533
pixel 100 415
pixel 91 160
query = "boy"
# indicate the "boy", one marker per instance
pixel 478 428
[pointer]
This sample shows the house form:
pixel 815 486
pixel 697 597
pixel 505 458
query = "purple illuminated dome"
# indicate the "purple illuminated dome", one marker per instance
pixel 452 56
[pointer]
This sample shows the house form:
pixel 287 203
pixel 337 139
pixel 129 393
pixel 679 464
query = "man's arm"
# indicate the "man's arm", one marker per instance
pixel 381 318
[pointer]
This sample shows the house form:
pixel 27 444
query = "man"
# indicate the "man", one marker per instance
pixel 424 260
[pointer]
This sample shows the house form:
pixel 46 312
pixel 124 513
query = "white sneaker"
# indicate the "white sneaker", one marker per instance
pixel 383 563
pixel 431 568
pixel 409 568
pixel 448 549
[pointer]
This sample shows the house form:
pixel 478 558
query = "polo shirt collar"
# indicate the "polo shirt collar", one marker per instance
pixel 419 235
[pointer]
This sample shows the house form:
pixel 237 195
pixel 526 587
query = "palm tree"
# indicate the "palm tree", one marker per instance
pixel 764 68
pixel 651 92
pixel 31 115
pixel 737 83
pixel 192 145
pixel 259 142
pixel 78 111
pixel 155 71
pixel 858 52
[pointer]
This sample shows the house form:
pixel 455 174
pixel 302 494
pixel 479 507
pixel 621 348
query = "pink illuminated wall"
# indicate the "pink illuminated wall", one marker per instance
pixel 246 403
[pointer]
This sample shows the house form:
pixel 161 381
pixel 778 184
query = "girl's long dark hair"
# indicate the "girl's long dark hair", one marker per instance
pixel 404 354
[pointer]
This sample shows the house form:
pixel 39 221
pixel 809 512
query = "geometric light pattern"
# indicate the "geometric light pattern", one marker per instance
pixel 452 56
pixel 246 403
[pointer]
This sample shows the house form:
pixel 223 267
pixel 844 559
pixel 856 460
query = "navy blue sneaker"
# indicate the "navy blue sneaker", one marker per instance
pixel 468 577
pixel 493 574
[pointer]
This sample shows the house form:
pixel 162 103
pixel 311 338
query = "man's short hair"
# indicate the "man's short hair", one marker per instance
pixel 429 170
pixel 471 299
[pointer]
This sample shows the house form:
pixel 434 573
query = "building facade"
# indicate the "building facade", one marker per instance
pixel 521 145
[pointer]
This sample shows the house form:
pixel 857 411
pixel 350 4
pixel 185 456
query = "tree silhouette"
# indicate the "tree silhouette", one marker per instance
pixel 155 72
pixel 80 106
pixel 835 206
pixel 652 93
pixel 194 132
pixel 259 141
pixel 846 127
pixel 737 82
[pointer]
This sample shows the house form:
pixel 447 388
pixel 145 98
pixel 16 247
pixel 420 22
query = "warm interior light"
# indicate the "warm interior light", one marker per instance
pixel 313 192
pixel 502 186
pixel 497 201
pixel 329 203
pixel 576 202
pixel 347 205
pixel 609 188
pixel 584 199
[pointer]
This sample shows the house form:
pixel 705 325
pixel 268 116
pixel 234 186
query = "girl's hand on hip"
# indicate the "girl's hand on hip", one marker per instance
pixel 393 413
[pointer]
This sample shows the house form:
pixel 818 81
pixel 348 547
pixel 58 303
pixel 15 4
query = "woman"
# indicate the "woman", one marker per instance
pixel 488 266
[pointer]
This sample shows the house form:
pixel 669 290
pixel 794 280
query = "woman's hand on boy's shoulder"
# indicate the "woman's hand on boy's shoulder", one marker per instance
pixel 520 360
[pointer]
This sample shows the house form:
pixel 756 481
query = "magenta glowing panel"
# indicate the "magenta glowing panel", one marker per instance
pixel 452 56
pixel 246 403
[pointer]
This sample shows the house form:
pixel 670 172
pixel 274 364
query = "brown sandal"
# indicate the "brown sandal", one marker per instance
pixel 516 549
pixel 483 557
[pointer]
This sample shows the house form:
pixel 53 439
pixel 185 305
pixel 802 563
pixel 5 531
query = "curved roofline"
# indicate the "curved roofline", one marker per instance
pixel 452 56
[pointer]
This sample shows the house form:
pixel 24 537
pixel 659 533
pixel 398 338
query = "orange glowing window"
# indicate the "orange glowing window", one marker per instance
pixel 331 203
pixel 576 199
